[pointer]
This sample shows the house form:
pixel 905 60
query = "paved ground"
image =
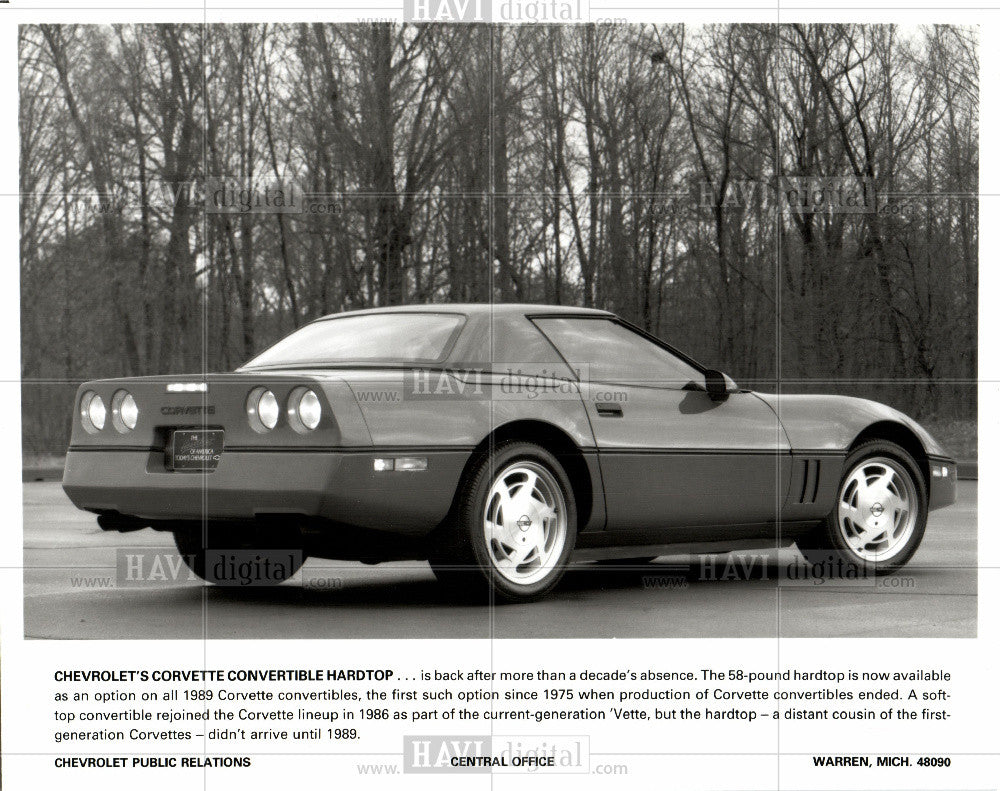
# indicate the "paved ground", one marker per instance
pixel 71 591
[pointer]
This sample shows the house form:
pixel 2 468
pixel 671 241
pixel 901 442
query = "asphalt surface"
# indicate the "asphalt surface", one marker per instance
pixel 73 589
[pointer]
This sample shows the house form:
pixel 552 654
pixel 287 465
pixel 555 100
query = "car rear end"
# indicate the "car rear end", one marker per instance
pixel 160 450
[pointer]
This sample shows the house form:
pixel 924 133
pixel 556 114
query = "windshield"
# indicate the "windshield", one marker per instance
pixel 370 339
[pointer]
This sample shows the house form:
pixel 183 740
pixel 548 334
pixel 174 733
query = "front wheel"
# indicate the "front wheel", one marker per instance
pixel 514 525
pixel 880 515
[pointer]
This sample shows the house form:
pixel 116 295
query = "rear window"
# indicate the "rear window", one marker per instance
pixel 389 338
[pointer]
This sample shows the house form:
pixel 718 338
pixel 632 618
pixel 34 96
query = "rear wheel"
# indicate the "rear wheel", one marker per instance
pixel 240 556
pixel 880 515
pixel 514 525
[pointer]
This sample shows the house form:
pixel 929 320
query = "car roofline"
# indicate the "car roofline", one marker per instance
pixel 472 309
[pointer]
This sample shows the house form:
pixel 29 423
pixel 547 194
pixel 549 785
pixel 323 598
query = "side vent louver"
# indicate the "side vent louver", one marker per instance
pixel 810 480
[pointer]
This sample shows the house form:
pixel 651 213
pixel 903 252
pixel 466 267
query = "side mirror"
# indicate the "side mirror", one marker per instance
pixel 718 385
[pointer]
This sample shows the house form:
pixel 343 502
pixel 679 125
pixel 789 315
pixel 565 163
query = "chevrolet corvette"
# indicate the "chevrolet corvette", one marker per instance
pixel 499 443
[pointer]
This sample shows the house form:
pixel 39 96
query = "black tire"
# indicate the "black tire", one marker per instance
pixel 462 558
pixel 240 557
pixel 827 545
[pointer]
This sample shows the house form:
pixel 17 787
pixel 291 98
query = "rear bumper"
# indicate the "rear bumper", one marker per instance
pixel 943 480
pixel 340 486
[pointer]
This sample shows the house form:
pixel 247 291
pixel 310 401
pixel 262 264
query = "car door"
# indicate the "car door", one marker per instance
pixel 670 456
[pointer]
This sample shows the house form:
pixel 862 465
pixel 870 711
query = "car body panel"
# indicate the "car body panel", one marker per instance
pixel 832 422
pixel 224 404
pixel 943 485
pixel 701 461
pixel 432 407
pixel 338 486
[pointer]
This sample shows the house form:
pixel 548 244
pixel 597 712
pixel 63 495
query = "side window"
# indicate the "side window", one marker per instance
pixel 514 345
pixel 605 351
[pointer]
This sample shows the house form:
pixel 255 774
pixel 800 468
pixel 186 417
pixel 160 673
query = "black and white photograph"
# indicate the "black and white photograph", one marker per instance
pixel 499 394
pixel 499 331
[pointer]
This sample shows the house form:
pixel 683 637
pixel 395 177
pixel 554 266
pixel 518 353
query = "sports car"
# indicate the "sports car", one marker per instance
pixel 500 443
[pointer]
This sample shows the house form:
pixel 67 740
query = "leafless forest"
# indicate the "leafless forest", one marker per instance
pixel 630 167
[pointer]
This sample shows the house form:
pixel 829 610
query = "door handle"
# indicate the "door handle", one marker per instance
pixel 609 409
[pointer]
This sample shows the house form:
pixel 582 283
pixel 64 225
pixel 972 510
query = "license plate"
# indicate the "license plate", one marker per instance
pixel 196 449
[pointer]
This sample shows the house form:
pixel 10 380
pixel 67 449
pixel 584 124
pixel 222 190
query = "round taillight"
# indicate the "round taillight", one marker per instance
pixel 124 411
pixel 262 409
pixel 93 413
pixel 304 409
